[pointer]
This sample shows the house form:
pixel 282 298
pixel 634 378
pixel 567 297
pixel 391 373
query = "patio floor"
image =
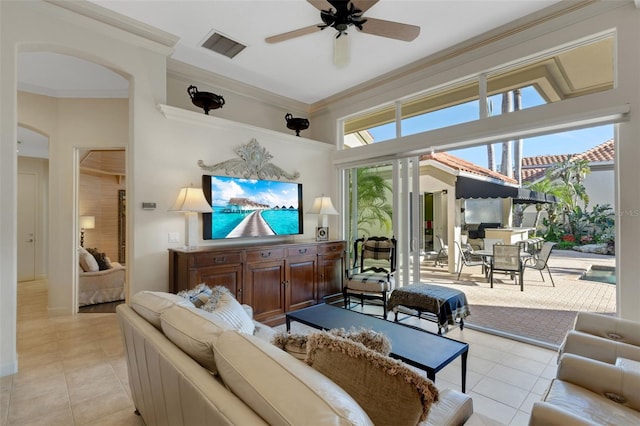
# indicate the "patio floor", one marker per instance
pixel 541 314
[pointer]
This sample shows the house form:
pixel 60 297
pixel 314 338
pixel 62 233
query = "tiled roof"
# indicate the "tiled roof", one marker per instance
pixel 603 152
pixel 466 166
pixel 534 168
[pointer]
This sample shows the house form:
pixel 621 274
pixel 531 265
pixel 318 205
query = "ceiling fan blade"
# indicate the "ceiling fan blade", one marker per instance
pixel 292 34
pixel 390 29
pixel 341 51
pixel 364 5
pixel 320 4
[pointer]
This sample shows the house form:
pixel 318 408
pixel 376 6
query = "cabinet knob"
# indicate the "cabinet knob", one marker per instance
pixel 266 254
pixel 220 259
pixel 302 251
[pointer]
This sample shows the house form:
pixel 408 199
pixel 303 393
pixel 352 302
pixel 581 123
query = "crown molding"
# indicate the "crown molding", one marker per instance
pixel 188 73
pixel 113 19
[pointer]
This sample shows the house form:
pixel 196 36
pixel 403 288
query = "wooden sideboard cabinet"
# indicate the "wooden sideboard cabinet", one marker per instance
pixel 272 278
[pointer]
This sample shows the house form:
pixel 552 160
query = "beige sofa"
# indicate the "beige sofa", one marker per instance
pixel 590 392
pixel 603 337
pixel 101 286
pixel 238 378
pixel 598 377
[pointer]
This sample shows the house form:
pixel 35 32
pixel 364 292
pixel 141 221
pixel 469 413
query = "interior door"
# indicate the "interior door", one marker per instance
pixel 27 213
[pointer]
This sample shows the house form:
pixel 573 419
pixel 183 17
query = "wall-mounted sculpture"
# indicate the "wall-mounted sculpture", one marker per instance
pixel 254 160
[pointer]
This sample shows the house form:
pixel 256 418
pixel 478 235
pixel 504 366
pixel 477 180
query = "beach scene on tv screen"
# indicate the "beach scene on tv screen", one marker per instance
pixel 253 207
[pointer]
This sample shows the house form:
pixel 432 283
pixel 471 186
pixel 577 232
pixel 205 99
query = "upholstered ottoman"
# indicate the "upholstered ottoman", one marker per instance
pixel 442 304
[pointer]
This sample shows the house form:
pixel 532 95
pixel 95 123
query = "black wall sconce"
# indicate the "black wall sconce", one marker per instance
pixel 445 192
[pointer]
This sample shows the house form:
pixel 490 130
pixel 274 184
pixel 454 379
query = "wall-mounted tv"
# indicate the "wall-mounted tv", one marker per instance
pixel 251 207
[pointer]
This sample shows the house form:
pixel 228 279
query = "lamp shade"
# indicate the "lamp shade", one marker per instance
pixel 323 205
pixel 87 222
pixel 191 200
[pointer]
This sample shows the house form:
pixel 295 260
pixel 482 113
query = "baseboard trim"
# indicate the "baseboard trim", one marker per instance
pixel 9 368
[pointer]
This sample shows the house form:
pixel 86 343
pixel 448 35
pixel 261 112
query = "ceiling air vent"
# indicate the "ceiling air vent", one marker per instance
pixel 223 45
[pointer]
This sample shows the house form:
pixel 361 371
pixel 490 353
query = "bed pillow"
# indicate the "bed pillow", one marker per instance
pixel 387 390
pixel 101 259
pixel 88 263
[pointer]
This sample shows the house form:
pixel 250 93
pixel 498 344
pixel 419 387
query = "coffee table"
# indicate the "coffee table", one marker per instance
pixel 412 345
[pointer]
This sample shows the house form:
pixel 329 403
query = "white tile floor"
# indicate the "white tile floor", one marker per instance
pixel 504 377
pixel 73 371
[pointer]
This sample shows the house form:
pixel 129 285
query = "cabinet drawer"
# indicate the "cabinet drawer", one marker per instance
pixel 213 259
pixel 301 251
pixel 265 254
pixel 330 248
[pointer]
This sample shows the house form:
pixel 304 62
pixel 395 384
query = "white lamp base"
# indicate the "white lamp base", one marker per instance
pixel 191 230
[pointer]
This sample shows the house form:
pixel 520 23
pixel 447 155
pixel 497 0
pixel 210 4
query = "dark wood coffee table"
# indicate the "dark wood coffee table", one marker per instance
pixel 412 345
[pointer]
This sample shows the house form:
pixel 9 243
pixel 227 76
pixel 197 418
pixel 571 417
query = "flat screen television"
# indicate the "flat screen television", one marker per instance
pixel 251 207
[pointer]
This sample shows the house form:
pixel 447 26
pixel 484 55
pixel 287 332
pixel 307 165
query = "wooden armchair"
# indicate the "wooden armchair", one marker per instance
pixel 372 275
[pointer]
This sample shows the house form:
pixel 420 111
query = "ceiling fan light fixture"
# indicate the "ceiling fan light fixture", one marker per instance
pixel 341 50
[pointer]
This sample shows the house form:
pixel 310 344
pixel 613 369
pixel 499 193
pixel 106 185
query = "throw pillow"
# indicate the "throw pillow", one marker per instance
pixel 226 308
pixel 369 338
pixel 385 388
pixel 101 259
pixel 87 261
pixel 296 344
pixel 199 295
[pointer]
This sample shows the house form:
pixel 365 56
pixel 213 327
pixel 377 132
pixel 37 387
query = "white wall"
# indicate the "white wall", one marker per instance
pixel 600 185
pixel 162 153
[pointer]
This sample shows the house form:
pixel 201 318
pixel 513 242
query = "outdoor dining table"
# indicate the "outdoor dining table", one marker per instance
pixel 488 254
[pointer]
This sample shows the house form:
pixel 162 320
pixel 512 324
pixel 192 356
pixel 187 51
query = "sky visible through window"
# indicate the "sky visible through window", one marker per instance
pixel 573 142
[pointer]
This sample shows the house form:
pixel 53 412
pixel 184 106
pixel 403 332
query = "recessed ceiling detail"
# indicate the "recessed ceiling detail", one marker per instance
pixel 223 45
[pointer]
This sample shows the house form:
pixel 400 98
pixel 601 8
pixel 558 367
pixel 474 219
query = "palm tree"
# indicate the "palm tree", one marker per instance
pixel 373 209
pixel 544 185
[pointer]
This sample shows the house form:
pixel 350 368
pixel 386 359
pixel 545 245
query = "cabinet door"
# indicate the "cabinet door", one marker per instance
pixel 229 276
pixel 331 266
pixel 264 290
pixel 300 282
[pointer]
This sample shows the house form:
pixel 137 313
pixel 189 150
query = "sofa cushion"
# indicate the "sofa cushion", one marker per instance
pixel 194 331
pixel 385 388
pixel 150 304
pixel 280 390
pixel 88 263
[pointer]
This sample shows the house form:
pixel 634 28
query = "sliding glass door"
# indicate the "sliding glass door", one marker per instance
pixel 383 200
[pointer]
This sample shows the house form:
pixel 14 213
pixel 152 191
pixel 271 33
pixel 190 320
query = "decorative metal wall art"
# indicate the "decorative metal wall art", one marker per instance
pixel 254 160
pixel 205 100
pixel 296 123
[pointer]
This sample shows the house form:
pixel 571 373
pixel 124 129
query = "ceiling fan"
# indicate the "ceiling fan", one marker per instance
pixel 343 14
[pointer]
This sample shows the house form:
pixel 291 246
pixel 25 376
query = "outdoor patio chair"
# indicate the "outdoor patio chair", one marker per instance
pixel 467 258
pixel 443 253
pixel 541 260
pixel 372 275
pixel 506 258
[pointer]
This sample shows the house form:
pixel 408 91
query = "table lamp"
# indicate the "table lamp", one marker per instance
pixel 322 206
pixel 191 201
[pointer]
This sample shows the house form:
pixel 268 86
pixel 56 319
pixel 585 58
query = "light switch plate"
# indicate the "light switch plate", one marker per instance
pixel 174 237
